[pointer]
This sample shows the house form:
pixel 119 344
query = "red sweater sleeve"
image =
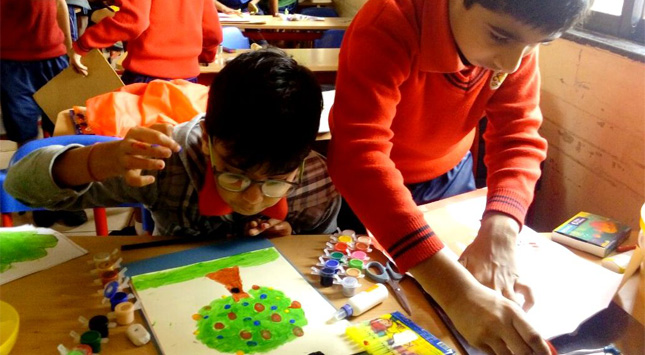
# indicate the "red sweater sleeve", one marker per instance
pixel 514 148
pixel 132 19
pixel 375 59
pixel 212 33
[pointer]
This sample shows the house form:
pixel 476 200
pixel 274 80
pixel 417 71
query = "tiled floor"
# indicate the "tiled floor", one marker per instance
pixel 118 218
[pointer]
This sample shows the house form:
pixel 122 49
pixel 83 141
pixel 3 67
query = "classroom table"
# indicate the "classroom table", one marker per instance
pixel 323 62
pixel 49 302
pixel 268 22
pixel 628 334
pixel 273 28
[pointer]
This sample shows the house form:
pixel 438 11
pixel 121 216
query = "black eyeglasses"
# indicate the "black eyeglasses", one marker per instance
pixel 235 182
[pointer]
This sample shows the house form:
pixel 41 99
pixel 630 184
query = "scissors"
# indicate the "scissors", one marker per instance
pixel 386 274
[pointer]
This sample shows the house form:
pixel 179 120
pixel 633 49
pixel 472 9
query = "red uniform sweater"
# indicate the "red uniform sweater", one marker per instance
pixel 29 30
pixel 405 112
pixel 165 38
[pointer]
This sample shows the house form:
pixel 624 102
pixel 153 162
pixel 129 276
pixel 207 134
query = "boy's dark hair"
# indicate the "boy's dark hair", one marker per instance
pixel 550 16
pixel 265 108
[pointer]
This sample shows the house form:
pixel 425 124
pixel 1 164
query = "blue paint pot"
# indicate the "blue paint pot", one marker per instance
pixel 327 276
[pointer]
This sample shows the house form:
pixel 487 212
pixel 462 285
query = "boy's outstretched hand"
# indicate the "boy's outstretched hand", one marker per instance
pixel 270 227
pixel 141 149
pixel 487 320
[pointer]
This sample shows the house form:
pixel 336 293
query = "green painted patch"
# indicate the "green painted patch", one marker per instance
pixel 23 246
pixel 189 272
pixel 257 324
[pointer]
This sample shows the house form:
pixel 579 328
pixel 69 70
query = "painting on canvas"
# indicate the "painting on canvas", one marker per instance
pixel 27 249
pixel 250 303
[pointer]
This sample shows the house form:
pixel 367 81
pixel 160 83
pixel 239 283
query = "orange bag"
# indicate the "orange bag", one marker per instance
pixel 160 101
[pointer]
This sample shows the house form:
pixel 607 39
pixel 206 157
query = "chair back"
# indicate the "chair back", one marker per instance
pixel 58 140
pixel 234 39
pixel 8 204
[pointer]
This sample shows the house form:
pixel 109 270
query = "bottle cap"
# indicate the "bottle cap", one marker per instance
pixel 138 335
pixel 350 286
pixel 344 312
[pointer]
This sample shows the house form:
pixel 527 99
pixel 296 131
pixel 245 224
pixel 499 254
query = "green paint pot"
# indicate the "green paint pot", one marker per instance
pixel 356 263
pixel 93 339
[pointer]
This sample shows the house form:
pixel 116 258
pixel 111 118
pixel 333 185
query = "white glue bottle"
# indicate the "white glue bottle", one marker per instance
pixel 362 302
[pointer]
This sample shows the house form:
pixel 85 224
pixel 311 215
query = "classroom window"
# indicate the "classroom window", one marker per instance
pixel 619 18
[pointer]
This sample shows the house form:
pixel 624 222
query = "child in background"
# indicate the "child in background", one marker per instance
pixel 78 16
pixel 34 40
pixel 239 170
pixel 414 79
pixel 166 39
pixel 235 7
pixel 274 7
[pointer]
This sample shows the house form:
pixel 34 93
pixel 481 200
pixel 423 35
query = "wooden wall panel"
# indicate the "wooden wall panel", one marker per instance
pixel 594 119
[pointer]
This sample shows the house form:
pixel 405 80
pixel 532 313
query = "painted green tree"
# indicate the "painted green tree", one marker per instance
pixel 256 321
pixel 23 246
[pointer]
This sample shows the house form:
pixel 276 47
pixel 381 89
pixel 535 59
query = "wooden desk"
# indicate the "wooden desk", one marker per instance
pixel 631 297
pixel 322 61
pixel 272 28
pixel 268 22
pixel 49 302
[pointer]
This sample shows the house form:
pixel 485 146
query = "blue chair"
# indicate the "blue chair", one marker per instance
pixel 331 38
pixel 9 205
pixel 234 39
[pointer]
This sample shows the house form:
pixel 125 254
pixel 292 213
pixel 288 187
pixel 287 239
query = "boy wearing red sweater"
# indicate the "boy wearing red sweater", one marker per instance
pixel 34 40
pixel 166 39
pixel 414 79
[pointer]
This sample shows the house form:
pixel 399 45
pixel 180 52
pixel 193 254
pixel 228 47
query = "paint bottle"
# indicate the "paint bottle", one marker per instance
pixel 350 286
pixel 100 323
pixel 353 272
pixel 327 276
pixel 93 339
pixel 356 264
pixel 81 349
pixel 362 302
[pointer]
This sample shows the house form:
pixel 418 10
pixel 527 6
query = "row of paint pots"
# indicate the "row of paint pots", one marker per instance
pixel 345 255
pixel 113 281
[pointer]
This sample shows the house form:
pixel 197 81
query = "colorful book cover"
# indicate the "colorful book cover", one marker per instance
pixel 599 235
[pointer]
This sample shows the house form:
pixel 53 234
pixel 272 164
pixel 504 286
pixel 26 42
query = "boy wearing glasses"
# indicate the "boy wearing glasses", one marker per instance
pixel 245 167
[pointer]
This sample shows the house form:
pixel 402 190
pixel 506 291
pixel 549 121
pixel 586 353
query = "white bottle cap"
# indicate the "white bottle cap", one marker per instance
pixel 138 335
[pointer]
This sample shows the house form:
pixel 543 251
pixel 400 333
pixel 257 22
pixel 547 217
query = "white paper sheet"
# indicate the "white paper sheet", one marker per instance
pixel 567 289
pixel 28 255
